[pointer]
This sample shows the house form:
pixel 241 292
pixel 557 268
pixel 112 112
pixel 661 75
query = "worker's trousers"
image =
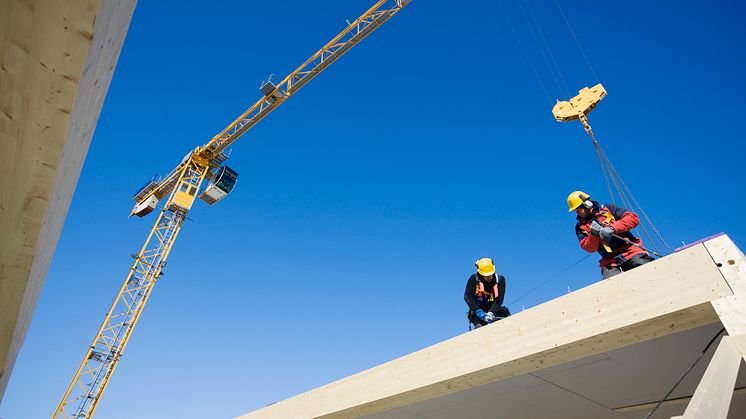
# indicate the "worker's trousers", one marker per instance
pixel 632 263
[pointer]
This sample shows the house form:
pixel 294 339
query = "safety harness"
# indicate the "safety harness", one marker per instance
pixel 480 292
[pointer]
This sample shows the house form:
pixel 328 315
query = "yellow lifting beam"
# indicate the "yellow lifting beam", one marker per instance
pixel 580 106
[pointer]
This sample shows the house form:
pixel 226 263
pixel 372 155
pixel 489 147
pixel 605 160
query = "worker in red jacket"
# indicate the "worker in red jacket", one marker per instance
pixel 596 230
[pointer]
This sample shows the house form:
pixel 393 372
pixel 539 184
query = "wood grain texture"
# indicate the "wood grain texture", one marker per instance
pixel 56 62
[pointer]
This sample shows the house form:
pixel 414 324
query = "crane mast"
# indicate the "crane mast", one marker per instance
pixel 180 187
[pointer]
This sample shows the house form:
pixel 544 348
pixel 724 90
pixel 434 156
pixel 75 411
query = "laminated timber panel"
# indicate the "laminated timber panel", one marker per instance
pixel 56 61
pixel 667 296
pixel 731 309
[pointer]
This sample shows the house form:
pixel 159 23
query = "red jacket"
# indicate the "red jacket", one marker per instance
pixel 615 252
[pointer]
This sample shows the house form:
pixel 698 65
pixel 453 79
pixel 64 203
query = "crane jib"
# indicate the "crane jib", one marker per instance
pixel 338 46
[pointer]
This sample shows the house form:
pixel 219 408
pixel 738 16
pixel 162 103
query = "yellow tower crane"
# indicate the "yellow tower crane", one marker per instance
pixel 180 188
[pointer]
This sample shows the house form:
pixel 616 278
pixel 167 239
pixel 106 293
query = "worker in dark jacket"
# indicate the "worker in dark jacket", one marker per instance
pixel 484 294
pixel 596 229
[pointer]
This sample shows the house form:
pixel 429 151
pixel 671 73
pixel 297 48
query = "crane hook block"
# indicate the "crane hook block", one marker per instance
pixel 582 104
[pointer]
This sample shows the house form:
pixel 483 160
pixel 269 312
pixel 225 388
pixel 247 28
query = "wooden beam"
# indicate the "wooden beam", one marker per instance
pixel 731 309
pixel 712 398
pixel 663 297
pixel 56 62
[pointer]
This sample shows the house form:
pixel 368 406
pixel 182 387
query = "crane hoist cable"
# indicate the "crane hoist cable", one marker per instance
pixel 525 53
pixel 544 48
pixel 577 41
pixel 543 45
pixel 181 187
pixel 578 108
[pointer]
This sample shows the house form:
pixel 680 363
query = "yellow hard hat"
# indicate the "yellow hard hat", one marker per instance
pixel 576 199
pixel 485 266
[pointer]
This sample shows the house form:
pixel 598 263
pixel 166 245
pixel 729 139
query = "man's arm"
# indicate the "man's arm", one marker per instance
pixel 588 241
pixel 625 220
pixel 471 289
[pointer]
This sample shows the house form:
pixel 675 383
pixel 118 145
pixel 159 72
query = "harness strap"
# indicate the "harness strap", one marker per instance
pixel 495 291
pixel 609 219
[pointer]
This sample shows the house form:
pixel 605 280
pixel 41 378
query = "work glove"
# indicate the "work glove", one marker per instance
pixel 606 233
pixel 481 314
pixel 596 228
pixel 489 317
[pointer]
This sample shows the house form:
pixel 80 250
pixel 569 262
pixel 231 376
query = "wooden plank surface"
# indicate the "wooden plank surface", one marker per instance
pixel 56 62
pixel 657 299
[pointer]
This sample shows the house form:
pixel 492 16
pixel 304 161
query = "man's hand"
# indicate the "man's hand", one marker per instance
pixel 606 233
pixel 596 228
pixel 489 317
pixel 481 314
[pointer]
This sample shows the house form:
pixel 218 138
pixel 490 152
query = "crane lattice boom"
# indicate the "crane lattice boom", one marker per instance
pixel 277 94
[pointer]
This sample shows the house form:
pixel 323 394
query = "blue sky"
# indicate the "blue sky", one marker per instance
pixel 364 200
